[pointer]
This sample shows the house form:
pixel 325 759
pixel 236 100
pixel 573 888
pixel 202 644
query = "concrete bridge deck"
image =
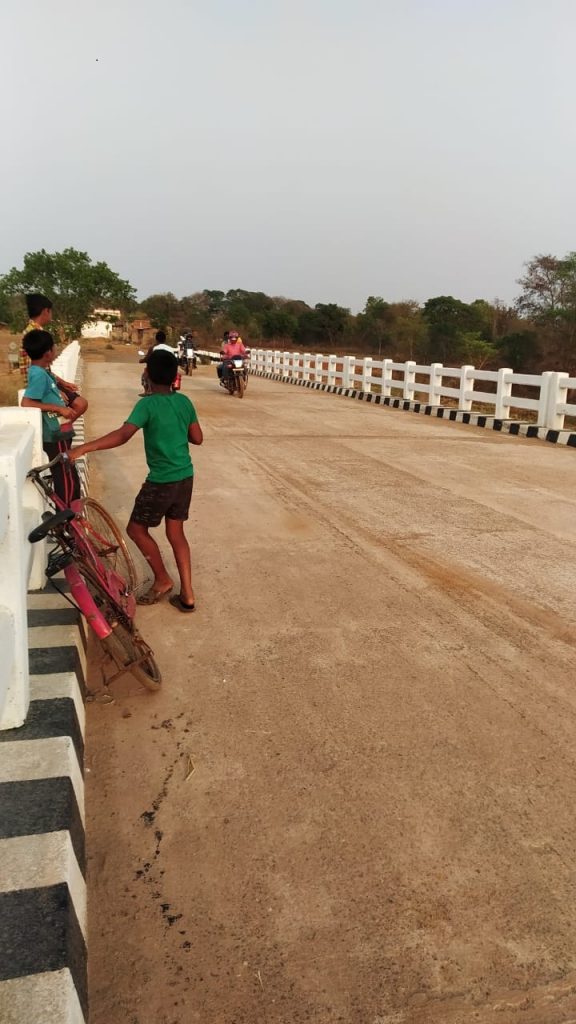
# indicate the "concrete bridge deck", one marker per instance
pixel 353 800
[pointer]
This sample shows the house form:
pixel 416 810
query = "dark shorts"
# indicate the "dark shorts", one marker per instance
pixel 156 501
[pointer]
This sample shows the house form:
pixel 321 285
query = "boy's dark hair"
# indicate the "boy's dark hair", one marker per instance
pixel 35 303
pixel 162 368
pixel 160 337
pixel 37 343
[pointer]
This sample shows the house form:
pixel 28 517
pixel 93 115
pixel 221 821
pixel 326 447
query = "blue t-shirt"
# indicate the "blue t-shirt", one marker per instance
pixel 42 387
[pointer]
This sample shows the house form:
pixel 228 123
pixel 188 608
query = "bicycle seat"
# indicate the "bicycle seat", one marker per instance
pixel 49 524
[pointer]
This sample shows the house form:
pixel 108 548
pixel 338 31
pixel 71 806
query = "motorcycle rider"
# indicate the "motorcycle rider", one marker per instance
pixel 189 353
pixel 233 348
pixel 159 345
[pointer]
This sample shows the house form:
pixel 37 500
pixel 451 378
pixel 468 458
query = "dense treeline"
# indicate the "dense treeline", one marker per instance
pixel 538 332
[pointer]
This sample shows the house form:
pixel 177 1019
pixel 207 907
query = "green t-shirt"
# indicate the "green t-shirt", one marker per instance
pixel 165 419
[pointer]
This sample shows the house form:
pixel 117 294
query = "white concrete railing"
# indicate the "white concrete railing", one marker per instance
pixel 430 384
pixel 22 564
pixel 206 352
pixel 66 364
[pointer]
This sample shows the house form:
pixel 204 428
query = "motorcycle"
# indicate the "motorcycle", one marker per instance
pixel 235 376
pixel 188 361
pixel 177 383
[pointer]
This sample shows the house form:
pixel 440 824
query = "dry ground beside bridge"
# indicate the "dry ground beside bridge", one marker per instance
pixel 353 801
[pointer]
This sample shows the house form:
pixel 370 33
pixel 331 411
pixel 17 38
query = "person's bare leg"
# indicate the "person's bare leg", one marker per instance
pixel 181 548
pixel 149 548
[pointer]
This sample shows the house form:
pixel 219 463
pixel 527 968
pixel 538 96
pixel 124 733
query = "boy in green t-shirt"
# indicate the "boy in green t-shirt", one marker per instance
pixel 169 424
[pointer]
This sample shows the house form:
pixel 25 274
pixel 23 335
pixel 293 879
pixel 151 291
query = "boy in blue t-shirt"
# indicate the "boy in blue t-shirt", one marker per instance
pixel 42 392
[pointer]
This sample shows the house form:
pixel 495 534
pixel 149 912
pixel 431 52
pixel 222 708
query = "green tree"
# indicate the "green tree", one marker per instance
pixel 279 325
pixel 520 350
pixel 324 325
pixel 162 310
pixel 408 330
pixel 473 348
pixel 548 300
pixel 215 301
pixel 73 282
pixel 448 319
pixel 372 325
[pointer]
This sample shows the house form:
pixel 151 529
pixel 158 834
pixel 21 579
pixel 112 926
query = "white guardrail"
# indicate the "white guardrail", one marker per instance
pixel 463 385
pixel 21 563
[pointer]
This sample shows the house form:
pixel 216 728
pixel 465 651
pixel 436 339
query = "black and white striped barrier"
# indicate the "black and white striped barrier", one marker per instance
pixel 513 427
pixel 42 838
pixel 43 930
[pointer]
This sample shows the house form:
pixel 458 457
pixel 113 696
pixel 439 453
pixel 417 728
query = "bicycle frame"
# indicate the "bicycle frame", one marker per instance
pixel 72 539
pixel 85 602
pixel 99 592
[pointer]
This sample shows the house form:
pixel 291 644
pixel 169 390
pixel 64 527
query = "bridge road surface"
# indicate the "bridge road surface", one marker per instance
pixel 354 799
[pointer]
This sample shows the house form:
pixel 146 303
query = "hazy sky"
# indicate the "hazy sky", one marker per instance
pixel 318 149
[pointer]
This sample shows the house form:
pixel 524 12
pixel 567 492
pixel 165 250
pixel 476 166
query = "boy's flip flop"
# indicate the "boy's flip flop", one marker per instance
pixel 177 602
pixel 152 596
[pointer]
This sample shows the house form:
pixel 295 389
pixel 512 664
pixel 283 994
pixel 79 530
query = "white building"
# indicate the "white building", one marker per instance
pixel 101 323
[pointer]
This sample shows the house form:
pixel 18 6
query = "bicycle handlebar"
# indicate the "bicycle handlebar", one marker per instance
pixel 61 457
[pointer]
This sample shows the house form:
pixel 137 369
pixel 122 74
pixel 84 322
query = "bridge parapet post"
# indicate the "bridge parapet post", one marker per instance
pixel 367 375
pixel 409 380
pixel 557 393
pixel 503 392
pixel 318 366
pixel 386 384
pixel 348 371
pixel 306 363
pixel 435 383
pixel 466 388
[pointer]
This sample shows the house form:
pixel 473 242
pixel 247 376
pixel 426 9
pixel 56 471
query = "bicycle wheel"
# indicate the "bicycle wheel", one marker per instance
pixel 130 652
pixel 124 644
pixel 108 541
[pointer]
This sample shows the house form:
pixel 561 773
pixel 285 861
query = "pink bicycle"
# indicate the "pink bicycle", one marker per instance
pixel 93 555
